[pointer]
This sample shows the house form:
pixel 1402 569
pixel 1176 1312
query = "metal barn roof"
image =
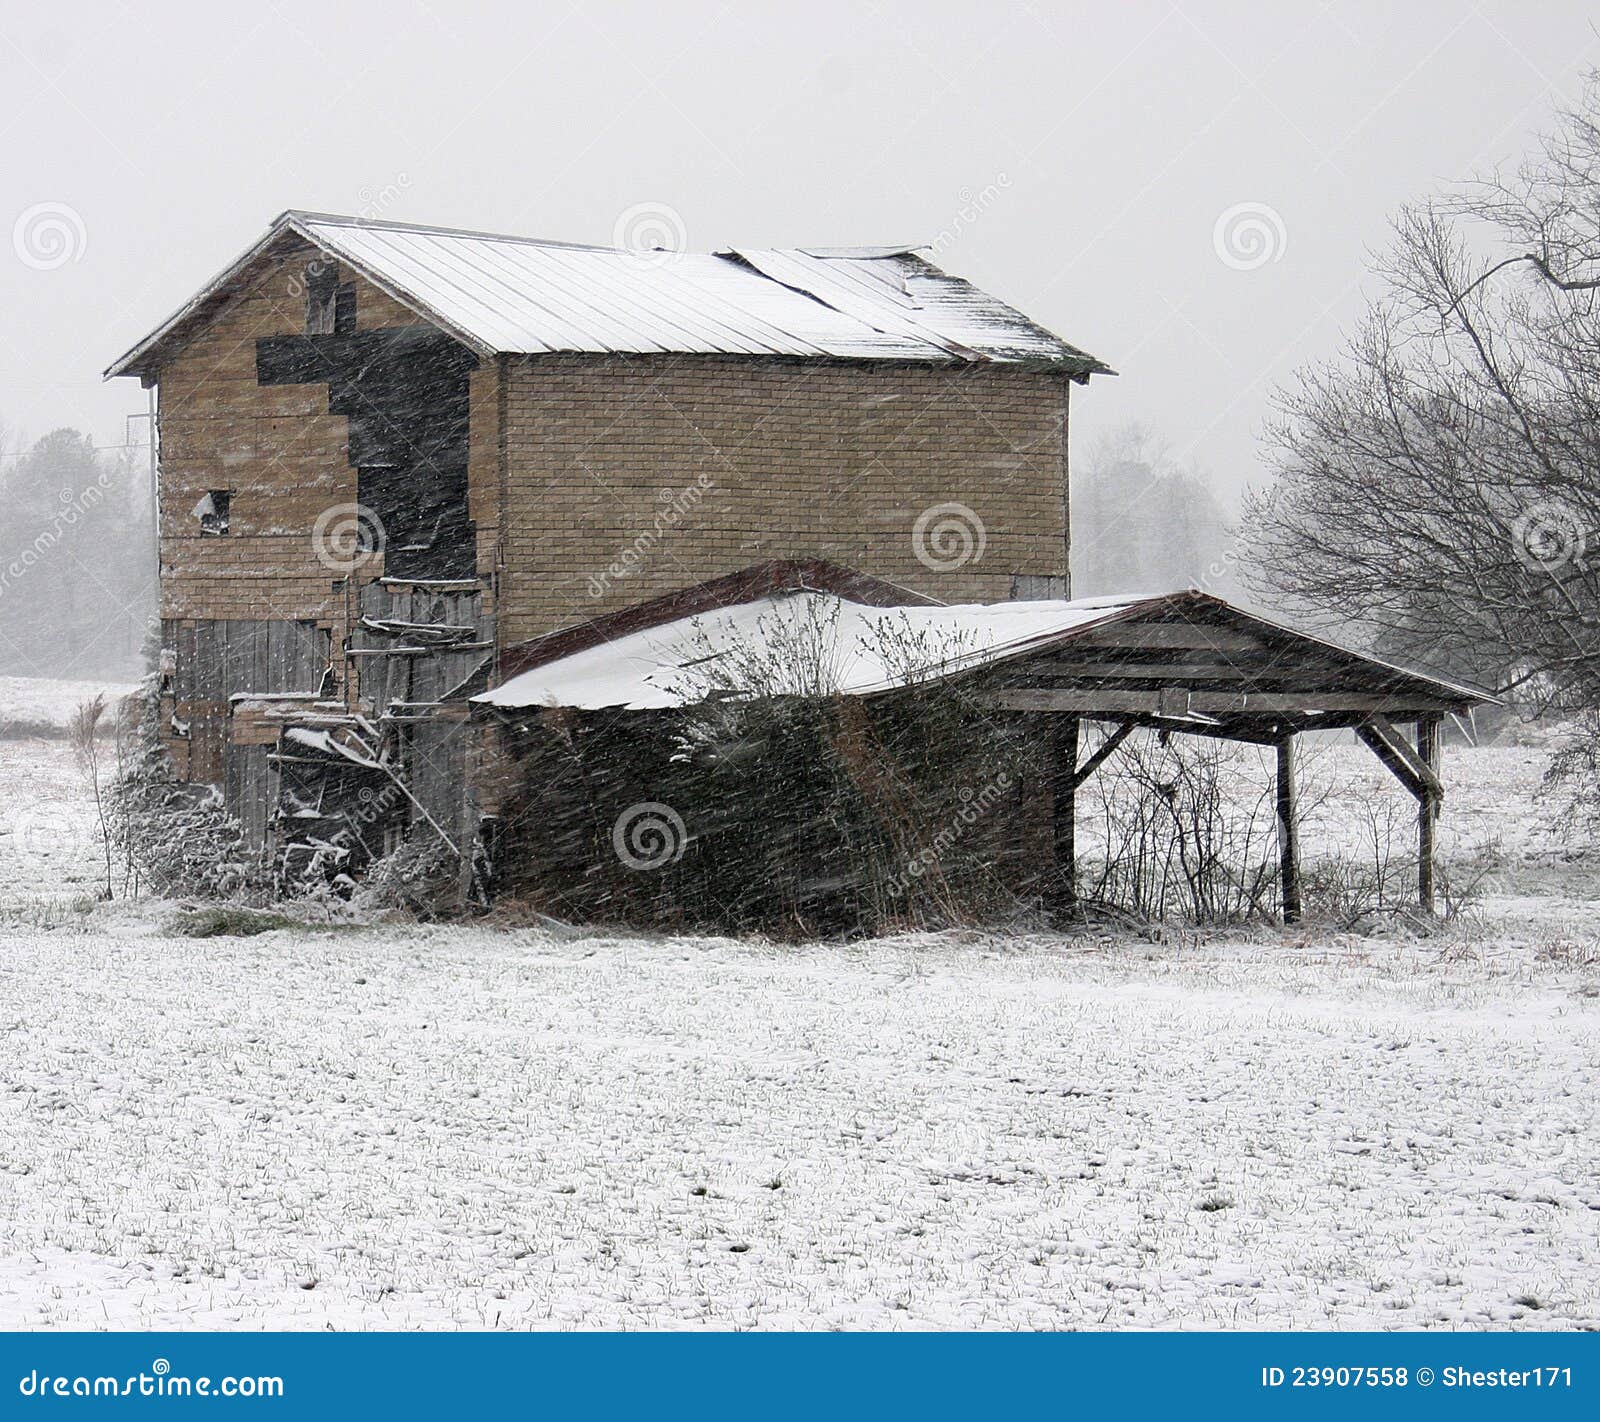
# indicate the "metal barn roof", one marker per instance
pixel 524 296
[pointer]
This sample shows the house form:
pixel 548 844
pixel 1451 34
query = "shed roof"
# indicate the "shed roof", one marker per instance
pixel 1183 658
pixel 672 665
pixel 527 296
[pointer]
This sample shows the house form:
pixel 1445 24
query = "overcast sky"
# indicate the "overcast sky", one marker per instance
pixel 1076 159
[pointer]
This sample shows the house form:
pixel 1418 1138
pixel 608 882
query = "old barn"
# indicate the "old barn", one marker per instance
pixel 429 498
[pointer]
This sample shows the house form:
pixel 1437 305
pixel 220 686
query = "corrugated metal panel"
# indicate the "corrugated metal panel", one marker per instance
pixel 903 294
pixel 528 297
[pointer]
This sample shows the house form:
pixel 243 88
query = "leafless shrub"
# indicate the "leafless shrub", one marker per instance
pixel 1573 777
pixel 1185 835
pixel 172 838
pixel 1346 888
pixel 421 877
pixel 83 734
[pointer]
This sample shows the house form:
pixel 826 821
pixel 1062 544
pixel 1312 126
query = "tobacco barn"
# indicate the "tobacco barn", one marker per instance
pixel 428 495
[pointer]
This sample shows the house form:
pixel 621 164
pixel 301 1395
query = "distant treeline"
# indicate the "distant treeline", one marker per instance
pixel 77 559
pixel 1141 523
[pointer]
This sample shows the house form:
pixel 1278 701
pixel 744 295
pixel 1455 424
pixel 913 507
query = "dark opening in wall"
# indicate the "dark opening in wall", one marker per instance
pixel 404 391
pixel 330 303
pixel 322 295
pixel 212 511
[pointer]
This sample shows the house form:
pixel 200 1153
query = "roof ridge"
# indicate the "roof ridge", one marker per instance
pixel 300 216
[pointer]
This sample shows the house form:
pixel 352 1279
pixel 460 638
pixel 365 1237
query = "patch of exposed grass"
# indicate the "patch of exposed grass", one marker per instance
pixel 229 921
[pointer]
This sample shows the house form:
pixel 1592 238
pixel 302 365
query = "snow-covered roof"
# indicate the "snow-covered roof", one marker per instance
pixel 866 649
pixel 522 295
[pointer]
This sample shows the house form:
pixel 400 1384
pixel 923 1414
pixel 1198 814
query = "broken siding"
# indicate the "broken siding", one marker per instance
pixel 213 661
pixel 417 642
pixel 416 645
pixel 285 458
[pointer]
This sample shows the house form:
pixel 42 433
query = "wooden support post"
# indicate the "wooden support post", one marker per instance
pixel 1429 752
pixel 1102 755
pixel 1288 833
pixel 1064 752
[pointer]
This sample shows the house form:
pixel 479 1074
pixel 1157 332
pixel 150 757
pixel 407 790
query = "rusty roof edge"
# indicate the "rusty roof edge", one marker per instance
pixel 768 578
pixel 1195 595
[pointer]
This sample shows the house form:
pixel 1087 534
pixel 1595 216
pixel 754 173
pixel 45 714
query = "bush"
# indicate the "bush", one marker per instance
pixel 171 838
pixel 771 803
pixel 1187 832
pixel 1574 776
pixel 421 877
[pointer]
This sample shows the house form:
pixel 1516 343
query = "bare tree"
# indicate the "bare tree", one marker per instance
pixel 1439 487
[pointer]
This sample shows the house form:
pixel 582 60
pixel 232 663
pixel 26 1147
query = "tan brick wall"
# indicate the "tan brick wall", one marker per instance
pixel 804 459
pixel 625 477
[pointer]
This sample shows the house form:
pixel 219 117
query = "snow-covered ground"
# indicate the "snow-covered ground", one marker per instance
pixel 50 845
pixel 482 1127
pixel 42 705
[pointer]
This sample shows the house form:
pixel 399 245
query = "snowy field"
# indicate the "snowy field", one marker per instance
pixel 391 1127
pixel 41 706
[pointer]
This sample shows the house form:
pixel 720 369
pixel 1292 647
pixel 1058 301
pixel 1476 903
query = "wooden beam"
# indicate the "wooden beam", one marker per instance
pixel 1172 634
pixel 1176 673
pixel 1106 705
pixel 1064 814
pixel 1408 767
pixel 1429 743
pixel 1111 703
pixel 1101 755
pixel 1398 766
pixel 1288 833
pixel 1420 766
